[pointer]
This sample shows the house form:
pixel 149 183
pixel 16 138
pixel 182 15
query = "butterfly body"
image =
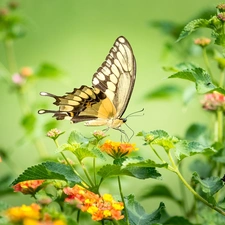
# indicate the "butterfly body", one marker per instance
pixel 105 102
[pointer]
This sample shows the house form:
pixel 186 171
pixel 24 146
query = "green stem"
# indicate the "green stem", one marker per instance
pixel 219 126
pixel 157 154
pixel 87 174
pixel 183 194
pixel 196 195
pixel 94 168
pixel 10 56
pixel 115 222
pixel 63 155
pixel 221 84
pixel 205 57
pixel 122 198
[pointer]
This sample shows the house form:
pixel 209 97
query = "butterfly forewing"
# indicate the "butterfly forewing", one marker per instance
pixel 117 74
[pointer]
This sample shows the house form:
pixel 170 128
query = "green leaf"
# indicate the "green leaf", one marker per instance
pixel 165 91
pixel 202 79
pixel 184 148
pixel 111 171
pixel 140 170
pixel 160 190
pixel 137 214
pixel 192 26
pixel 178 220
pixel 48 170
pixel 184 74
pixel 28 122
pixel 131 162
pixel 48 70
pixel 219 156
pixel 77 137
pixel 195 131
pixel 204 169
pixel 82 153
pixel 159 137
pixel 209 186
pixel 3 206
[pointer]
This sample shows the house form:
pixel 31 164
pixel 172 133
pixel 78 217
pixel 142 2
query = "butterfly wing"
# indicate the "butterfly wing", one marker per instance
pixel 108 98
pixel 116 76
pixel 82 104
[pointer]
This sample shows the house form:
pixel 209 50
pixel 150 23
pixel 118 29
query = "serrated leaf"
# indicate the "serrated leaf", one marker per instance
pixel 111 171
pixel 159 137
pixel 130 162
pixel 202 79
pixel 185 74
pixel 192 26
pixel 184 148
pixel 137 214
pixel 165 91
pixel 48 170
pixel 160 190
pixel 210 185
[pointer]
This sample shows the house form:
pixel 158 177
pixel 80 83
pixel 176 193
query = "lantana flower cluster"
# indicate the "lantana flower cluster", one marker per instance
pixel 21 77
pixel 100 207
pixel 31 215
pixel 28 187
pixel 214 101
pixel 117 149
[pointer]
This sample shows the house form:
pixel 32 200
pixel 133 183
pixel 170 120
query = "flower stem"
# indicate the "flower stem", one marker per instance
pixel 87 174
pixel 196 195
pixel 221 84
pixel 219 124
pixel 122 198
pixel 63 155
pixel 10 56
pixel 205 57
pixel 157 154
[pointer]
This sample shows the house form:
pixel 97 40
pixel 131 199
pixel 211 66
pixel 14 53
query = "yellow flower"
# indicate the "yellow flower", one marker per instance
pixel 16 214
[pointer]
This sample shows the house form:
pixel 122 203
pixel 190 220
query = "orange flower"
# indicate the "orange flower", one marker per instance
pixel 28 187
pixel 117 149
pixel 99 207
pixel 26 71
pixel 17 214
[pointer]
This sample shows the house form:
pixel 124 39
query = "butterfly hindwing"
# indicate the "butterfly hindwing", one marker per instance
pixel 106 101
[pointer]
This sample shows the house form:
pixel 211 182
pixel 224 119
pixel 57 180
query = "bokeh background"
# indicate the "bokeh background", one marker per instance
pixel 76 36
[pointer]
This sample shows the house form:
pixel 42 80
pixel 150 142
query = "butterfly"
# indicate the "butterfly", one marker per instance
pixel 106 101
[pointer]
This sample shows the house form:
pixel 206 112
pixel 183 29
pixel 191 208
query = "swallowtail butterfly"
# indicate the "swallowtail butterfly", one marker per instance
pixel 106 101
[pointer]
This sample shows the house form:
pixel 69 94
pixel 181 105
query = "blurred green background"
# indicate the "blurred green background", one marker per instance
pixel 76 36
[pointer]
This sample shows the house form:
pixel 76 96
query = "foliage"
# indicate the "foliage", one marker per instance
pixel 69 188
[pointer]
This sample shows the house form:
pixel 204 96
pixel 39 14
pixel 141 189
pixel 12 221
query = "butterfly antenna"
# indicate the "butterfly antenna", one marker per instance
pixel 134 113
pixel 131 131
